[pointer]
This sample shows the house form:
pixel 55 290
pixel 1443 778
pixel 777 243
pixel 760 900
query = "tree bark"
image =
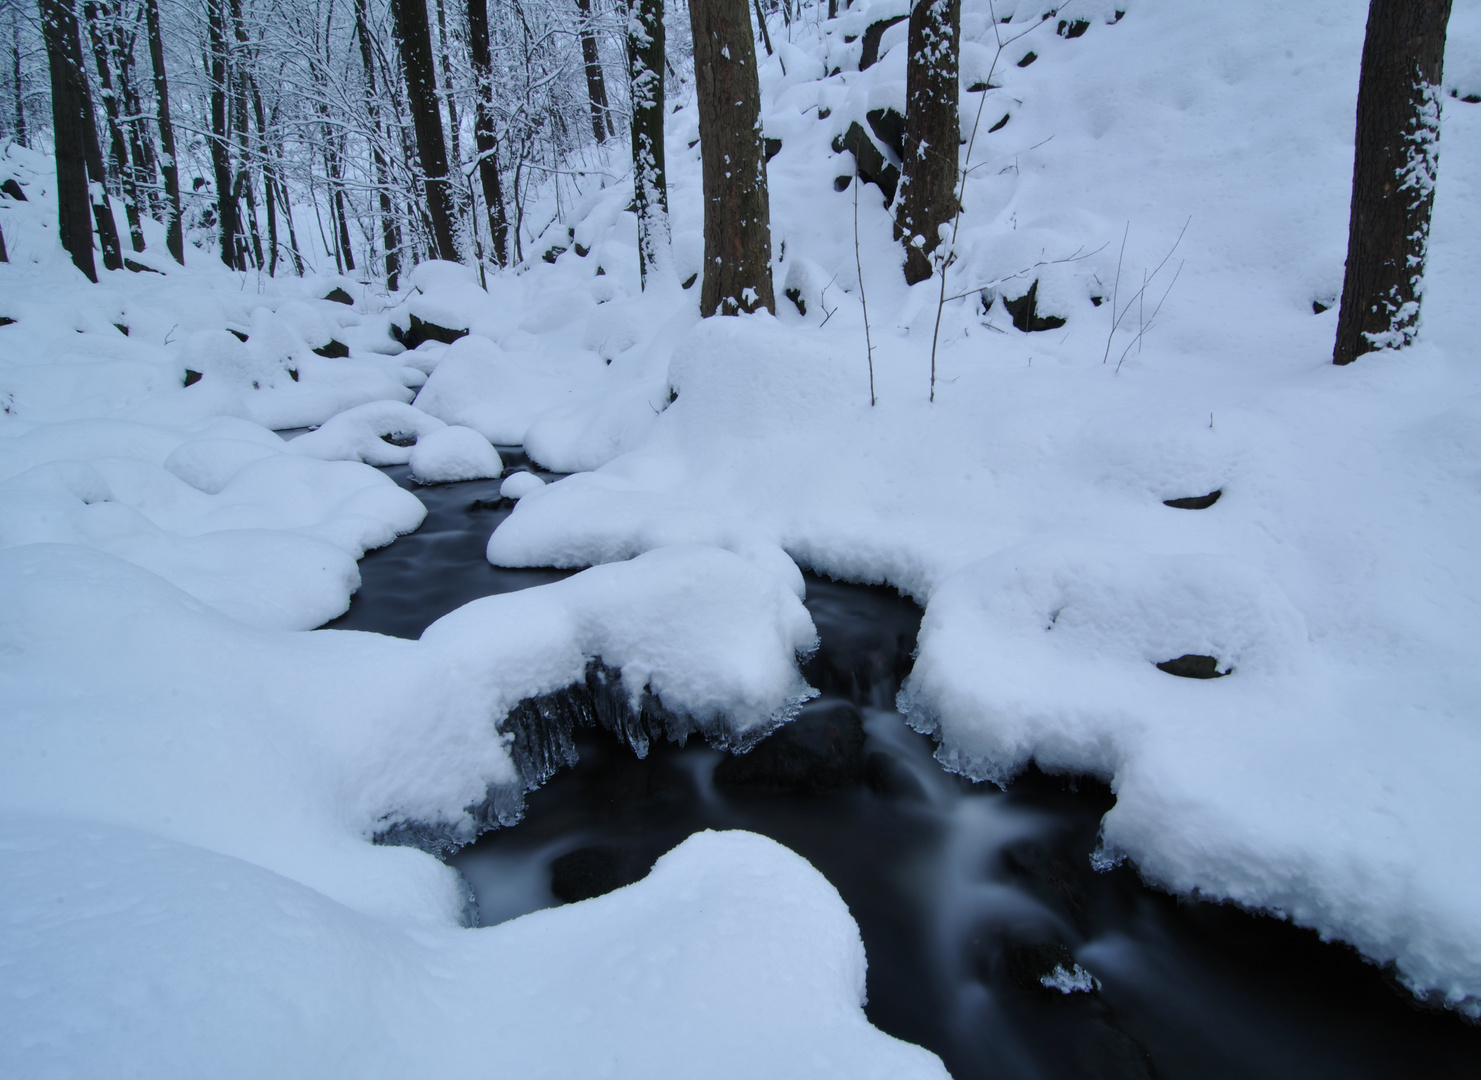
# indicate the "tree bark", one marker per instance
pixel 596 85
pixel 174 230
pixel 483 129
pixel 737 213
pixel 390 234
pixel 1393 177
pixel 80 190
pixel 226 204
pixel 15 73
pixel 100 37
pixel 421 91
pixel 645 46
pixel 454 128
pixel 927 198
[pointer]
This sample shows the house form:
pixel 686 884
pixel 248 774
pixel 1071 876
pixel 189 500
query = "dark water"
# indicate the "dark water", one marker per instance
pixel 966 897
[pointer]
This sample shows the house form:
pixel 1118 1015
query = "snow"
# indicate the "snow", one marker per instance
pixel 191 777
pixel 1074 980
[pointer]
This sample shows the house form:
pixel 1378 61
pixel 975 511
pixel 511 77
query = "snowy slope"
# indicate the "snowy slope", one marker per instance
pixel 189 780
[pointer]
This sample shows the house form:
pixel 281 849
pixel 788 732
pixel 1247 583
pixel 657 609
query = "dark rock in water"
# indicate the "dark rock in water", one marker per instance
pixel 869 55
pixel 13 189
pixel 339 296
pixel 1072 29
pixel 822 749
pixel 1028 58
pixel 335 350
pixel 773 147
pixel 192 377
pixel 1195 502
pixel 1027 963
pixel 418 331
pixel 869 160
pixel 1193 666
pixel 889 127
pixel 889 779
pixel 1026 315
pixel 594 871
pixel 1051 878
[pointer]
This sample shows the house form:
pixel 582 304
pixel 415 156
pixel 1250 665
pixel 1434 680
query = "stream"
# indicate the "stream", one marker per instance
pixel 990 939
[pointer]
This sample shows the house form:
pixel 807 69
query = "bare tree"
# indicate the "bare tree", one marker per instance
pixel 737 213
pixel 927 198
pixel 80 175
pixel 596 85
pixel 169 163
pixel 483 129
pixel 1393 176
pixel 650 183
pixel 421 93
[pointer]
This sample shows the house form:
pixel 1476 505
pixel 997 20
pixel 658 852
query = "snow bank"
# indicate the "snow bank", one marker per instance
pixel 454 453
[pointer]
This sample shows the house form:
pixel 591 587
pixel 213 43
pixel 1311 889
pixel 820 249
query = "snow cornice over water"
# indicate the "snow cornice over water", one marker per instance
pixel 192 775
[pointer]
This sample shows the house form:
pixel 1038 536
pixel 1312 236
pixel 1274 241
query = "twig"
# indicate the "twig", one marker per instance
pixel 868 341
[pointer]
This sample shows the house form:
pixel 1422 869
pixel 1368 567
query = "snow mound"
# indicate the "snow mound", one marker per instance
pixel 444 455
pixel 377 433
pixel 520 484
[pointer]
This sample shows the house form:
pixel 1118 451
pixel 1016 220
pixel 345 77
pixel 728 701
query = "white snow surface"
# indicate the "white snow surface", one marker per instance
pixel 190 776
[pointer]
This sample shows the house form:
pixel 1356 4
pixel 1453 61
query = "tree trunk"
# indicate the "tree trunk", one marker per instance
pixel 454 128
pixel 596 86
pixel 226 206
pixel 483 129
pixel 737 214
pixel 927 198
pixel 100 35
pixel 650 183
pixel 141 147
pixel 15 74
pixel 390 235
pixel 174 231
pixel 1393 176
pixel 421 91
pixel 80 190
pixel 242 131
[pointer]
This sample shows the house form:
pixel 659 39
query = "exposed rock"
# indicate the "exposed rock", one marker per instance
pixel 869 55
pixel 1194 502
pixel 1072 28
pixel 13 189
pixel 419 331
pixel 335 350
pixel 1193 666
pixel 869 160
pixel 1025 312
pixel 822 749
pixel 1028 58
pixel 889 127
pixel 339 296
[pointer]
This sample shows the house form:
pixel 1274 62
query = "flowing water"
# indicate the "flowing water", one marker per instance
pixel 978 908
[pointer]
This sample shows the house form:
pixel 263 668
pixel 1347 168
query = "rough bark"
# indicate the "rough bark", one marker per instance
pixel 454 127
pixel 645 39
pixel 737 214
pixel 390 233
pixel 927 197
pixel 1393 176
pixel 596 85
pixel 483 129
pixel 80 191
pixel 174 230
pixel 226 204
pixel 99 31
pixel 421 91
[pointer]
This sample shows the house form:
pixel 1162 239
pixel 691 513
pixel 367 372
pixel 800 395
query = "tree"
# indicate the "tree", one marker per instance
pixel 80 176
pixel 390 234
pixel 421 92
pixel 737 213
pixel 927 198
pixel 174 234
pixel 216 72
pixel 650 185
pixel 596 86
pixel 483 129
pixel 1393 176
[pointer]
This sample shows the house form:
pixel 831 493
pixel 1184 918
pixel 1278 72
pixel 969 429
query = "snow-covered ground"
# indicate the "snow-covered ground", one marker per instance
pixel 191 777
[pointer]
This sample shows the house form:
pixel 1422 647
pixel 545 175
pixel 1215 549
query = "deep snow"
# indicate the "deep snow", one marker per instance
pixel 189 781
